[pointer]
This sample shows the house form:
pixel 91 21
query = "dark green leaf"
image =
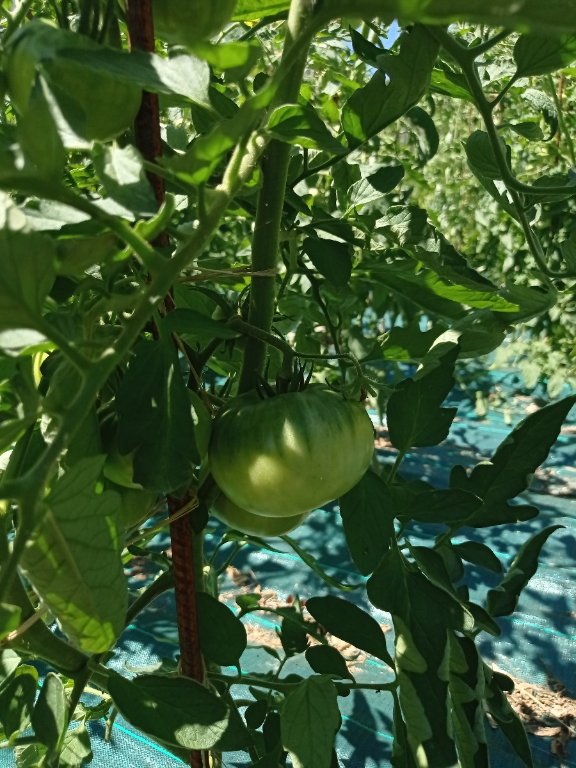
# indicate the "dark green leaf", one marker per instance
pixel 251 10
pixel 408 344
pixel 508 719
pixel 401 754
pixel 255 714
pixel 368 521
pixel 331 258
pixel 351 624
pixel 196 326
pixel 155 418
pixel 222 635
pixel 413 413
pixel 76 750
pixel 175 710
pixel 425 129
pixel 326 660
pixel 50 715
pixel 73 561
pixel 512 466
pixel 309 720
pixel 466 683
pixel 502 600
pixel 26 277
pixel 388 177
pixel 293 636
pixel 479 554
pixel 9 621
pixel 481 158
pixel 539 55
pixel 9 661
pixel 399 84
pixel 300 124
pixel 17 699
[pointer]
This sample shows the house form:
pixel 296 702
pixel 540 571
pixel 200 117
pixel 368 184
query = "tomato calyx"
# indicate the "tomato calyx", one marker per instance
pixel 297 382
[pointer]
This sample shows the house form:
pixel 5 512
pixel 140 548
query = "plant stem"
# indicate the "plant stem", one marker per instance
pixel 266 237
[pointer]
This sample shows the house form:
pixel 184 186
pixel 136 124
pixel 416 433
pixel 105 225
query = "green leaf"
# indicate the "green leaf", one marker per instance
pixel 507 718
pixel 50 715
pixel 121 171
pixel 387 178
pixel 183 75
pixel 72 558
pixel 196 326
pixel 30 756
pixel 479 554
pixel 331 258
pixel 399 84
pixel 326 660
pixel 407 344
pixel 466 684
pixel 300 124
pixel 9 621
pixel 76 750
pixel 446 505
pixel 401 754
pixel 222 635
pixel 251 10
pixel 351 624
pixel 155 418
pixel 38 135
pixel 309 720
pixel 481 158
pixel 175 710
pixel 17 700
pixel 293 635
pixel 26 277
pixel 368 521
pixel 9 661
pixel 512 466
pixel 538 55
pixel 413 413
pixel 502 600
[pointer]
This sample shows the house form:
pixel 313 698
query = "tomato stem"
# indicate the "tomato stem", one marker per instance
pixel 274 168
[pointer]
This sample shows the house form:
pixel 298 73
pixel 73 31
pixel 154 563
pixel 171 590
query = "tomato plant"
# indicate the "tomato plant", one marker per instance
pixel 284 455
pixel 185 226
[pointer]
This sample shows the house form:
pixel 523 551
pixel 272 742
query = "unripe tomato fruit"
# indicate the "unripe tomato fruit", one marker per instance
pixel 287 454
pixel 256 525
pixel 185 22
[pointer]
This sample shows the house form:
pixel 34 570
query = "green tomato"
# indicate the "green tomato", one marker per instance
pixel 290 453
pixel 256 525
pixel 186 22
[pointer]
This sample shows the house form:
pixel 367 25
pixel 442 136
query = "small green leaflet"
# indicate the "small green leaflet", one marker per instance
pixel 300 124
pixel 175 710
pixel 331 258
pixel 72 559
pixel 155 418
pixel 50 716
pixel 350 623
pixel 502 600
pixel 398 85
pixel 368 517
pixel 309 720
pixel 222 635
pixel 26 277
pixel 414 414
